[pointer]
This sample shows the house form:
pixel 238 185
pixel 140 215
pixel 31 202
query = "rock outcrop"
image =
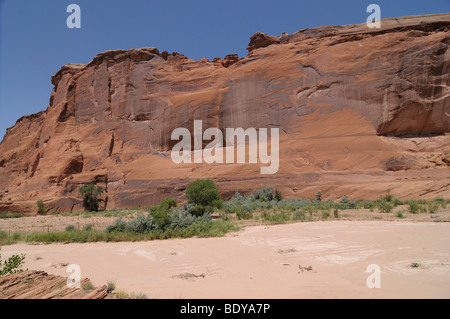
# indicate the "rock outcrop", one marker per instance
pixel 360 112
pixel 33 284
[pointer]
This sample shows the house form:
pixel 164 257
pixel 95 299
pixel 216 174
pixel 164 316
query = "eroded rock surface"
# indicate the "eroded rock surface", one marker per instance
pixel 353 105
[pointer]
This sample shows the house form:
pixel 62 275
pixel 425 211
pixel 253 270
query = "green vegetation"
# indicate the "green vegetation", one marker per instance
pixel 319 196
pixel 12 265
pixel 90 194
pixel 167 220
pixel 7 214
pixel 336 213
pixel 88 227
pixel 41 208
pixel 205 196
pixel 110 286
pixel 88 286
pixel 70 228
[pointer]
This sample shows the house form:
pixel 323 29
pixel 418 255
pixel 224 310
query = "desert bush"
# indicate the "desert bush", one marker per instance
pixel 298 214
pixel 204 195
pixel 384 206
pixel 119 225
pixel 243 213
pixel 325 214
pixel 88 227
pixel 168 203
pixel 319 196
pixel 277 196
pixel 276 217
pixel 88 286
pixel 265 193
pixel 399 214
pixel 8 214
pixel 433 206
pixel 41 207
pixel 90 194
pixel 182 217
pixel 70 228
pixel 413 207
pixel 12 265
pixel 336 213
pixel 141 224
pixel 160 213
pixel 110 286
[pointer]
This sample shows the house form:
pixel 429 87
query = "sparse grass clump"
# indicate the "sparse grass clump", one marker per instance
pixel 325 214
pixel 121 295
pixel 110 286
pixel 88 227
pixel 70 228
pixel 385 206
pixel 8 214
pixel 88 286
pixel 336 213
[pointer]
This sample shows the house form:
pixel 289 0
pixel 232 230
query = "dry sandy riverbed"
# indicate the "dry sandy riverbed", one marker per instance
pixel 322 259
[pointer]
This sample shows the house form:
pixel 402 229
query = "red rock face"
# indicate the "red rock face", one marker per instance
pixel 361 112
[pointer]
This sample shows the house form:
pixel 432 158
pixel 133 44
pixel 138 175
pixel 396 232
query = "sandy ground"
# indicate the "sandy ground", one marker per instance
pixel 303 260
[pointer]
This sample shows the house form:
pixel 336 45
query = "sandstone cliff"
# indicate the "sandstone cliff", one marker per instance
pixel 361 112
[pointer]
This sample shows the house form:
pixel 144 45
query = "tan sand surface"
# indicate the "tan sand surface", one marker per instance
pixel 325 259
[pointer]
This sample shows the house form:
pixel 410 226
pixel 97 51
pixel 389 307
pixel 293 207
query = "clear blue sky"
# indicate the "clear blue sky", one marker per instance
pixel 35 41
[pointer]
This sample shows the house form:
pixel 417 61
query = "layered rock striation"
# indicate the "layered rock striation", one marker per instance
pixel 361 112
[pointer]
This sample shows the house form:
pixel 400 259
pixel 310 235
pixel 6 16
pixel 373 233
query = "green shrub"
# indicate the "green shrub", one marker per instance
pixel 399 214
pixel 336 213
pixel 264 193
pixel 204 195
pixel 243 214
pixel 119 225
pixel 110 286
pixel 182 217
pixel 88 227
pixel 325 214
pixel 298 214
pixel 396 201
pixel 160 213
pixel 8 214
pixel 161 219
pixel 385 207
pixel 368 204
pixel 167 204
pixel 3 234
pixel 16 236
pixel 12 265
pixel 90 194
pixel 88 286
pixel 276 217
pixel 141 224
pixel 433 207
pixel 278 195
pixel 319 196
pixel 41 207
pixel 70 228
pixel 413 207
pixel 344 200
